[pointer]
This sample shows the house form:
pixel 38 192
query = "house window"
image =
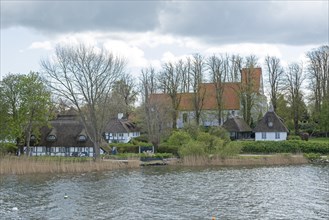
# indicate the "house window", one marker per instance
pixel 277 135
pixel 82 138
pixel 263 135
pixel 51 138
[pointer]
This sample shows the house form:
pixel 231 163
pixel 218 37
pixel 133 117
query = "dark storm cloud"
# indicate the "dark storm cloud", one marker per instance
pixel 75 16
pixel 220 22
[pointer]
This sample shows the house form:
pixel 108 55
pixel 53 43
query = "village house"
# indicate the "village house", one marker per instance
pixel 66 136
pixel 270 128
pixel 231 101
pixel 237 128
pixel 120 130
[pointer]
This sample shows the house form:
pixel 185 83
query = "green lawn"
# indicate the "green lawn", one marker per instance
pixel 319 140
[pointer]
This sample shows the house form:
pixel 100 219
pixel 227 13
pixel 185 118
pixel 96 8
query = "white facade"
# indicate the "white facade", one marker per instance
pixel 61 151
pixel 121 137
pixel 270 136
pixel 207 118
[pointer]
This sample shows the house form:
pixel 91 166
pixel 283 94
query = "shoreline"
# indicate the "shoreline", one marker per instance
pixel 20 165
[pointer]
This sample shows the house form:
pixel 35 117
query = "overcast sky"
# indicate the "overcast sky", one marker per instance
pixel 151 32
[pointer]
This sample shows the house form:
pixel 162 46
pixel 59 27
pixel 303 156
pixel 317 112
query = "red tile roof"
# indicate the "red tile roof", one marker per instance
pixel 231 99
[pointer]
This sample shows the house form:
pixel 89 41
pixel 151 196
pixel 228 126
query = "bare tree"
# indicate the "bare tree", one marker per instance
pixel 84 76
pixel 124 95
pixel 155 111
pixel 247 88
pixel 197 65
pixel 235 66
pixel 219 68
pixel 318 74
pixel 171 82
pixel 275 74
pixel 294 80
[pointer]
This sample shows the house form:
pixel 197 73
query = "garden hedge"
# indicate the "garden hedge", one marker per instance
pixel 293 146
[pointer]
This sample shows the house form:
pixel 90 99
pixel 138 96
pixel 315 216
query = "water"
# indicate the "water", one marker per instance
pixel 282 192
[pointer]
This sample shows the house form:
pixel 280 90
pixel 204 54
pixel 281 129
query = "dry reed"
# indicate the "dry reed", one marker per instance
pixel 277 159
pixel 23 165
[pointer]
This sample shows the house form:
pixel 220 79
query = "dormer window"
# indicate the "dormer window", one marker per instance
pixel 51 138
pixel 82 138
pixel 270 124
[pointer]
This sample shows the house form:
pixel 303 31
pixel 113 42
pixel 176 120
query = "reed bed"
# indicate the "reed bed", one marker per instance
pixel 25 165
pixel 251 160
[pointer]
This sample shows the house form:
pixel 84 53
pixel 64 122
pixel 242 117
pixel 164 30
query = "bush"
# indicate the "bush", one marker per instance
pixel 166 148
pixel 294 146
pixel 192 129
pixel 231 149
pixel 6 148
pixel 293 137
pixel 312 156
pixel 192 148
pixel 179 138
pixel 221 133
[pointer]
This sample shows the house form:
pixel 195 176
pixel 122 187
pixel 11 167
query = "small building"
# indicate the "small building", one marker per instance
pixel 120 130
pixel 66 136
pixel 270 128
pixel 237 128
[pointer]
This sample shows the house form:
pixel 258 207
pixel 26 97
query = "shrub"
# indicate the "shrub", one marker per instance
pixel 192 148
pixel 312 156
pixel 231 149
pixel 221 133
pixel 293 137
pixel 294 146
pixel 6 148
pixel 179 138
pixel 192 129
pixel 166 148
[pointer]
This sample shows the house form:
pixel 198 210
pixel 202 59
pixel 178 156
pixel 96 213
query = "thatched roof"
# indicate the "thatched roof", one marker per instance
pixel 66 129
pixel 271 122
pixel 236 124
pixel 121 126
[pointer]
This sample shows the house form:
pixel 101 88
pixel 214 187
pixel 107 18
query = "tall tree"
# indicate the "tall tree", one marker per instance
pixel 197 67
pixel 124 95
pixel 170 80
pixel 84 76
pixel 294 79
pixel 155 112
pixel 318 75
pixel 275 74
pixel 236 63
pixel 28 106
pixel 247 88
pixel 219 69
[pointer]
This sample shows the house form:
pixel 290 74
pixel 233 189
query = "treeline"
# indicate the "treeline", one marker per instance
pixel 96 83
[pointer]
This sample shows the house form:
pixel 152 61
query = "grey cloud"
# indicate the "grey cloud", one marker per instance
pixel 254 21
pixel 218 22
pixel 75 16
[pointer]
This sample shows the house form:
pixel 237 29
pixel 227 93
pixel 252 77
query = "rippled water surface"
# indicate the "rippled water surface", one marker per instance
pixel 284 192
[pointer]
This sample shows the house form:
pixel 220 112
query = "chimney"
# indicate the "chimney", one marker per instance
pixel 120 115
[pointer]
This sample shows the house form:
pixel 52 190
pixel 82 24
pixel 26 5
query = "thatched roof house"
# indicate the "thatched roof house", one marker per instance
pixel 121 130
pixel 270 127
pixel 238 128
